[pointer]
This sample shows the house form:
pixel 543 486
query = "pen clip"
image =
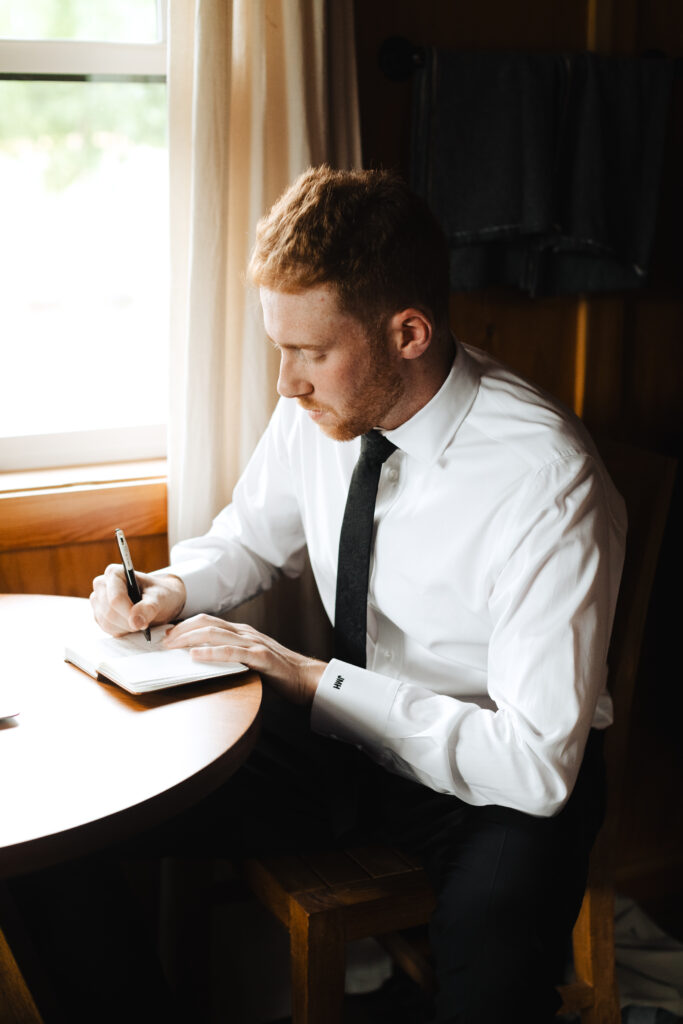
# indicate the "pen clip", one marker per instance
pixel 125 553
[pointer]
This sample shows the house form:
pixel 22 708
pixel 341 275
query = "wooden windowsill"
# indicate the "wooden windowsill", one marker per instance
pixel 51 507
pixel 81 476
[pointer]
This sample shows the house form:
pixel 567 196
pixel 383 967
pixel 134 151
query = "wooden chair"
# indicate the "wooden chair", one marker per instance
pixel 327 899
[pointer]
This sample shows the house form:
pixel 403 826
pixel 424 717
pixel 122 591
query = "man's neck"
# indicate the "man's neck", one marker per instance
pixel 425 378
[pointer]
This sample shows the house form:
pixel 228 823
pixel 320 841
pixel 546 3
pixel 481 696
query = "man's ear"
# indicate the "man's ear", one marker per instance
pixel 411 331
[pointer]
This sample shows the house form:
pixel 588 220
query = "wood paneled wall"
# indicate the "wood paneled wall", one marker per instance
pixel 69 569
pixel 55 540
pixel 615 358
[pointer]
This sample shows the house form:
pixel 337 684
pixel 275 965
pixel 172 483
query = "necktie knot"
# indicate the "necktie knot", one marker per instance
pixel 375 447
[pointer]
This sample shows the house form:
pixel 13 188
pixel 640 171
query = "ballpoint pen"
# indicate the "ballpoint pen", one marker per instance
pixel 131 582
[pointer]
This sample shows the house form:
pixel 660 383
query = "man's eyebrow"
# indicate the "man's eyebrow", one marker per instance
pixel 312 345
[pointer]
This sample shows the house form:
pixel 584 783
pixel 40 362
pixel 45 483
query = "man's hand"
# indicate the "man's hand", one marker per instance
pixel 163 599
pixel 292 675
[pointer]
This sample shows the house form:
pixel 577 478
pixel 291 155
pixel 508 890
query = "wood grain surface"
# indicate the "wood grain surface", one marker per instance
pixel 85 763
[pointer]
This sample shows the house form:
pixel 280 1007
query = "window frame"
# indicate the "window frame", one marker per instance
pixel 59 58
pixel 69 60
pixel 82 447
pixel 67 57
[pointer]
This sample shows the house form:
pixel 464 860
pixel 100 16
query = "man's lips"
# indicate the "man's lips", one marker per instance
pixel 314 411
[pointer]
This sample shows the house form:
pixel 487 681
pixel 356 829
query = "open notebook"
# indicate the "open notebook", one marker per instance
pixel 135 664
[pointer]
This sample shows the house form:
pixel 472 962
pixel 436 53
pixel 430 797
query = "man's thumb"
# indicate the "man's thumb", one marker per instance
pixel 142 614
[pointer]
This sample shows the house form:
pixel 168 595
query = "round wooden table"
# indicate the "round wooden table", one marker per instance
pixel 84 763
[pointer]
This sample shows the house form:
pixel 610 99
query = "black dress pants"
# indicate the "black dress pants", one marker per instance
pixel 509 886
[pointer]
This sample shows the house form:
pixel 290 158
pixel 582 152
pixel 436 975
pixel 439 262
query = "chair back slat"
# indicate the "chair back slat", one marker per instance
pixel 645 481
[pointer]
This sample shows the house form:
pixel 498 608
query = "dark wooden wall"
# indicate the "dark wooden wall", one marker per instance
pixel 615 358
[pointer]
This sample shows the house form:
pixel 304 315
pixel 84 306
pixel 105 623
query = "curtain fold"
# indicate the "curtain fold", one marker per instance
pixel 258 91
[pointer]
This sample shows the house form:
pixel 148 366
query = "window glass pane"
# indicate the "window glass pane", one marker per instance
pixel 83 255
pixel 115 21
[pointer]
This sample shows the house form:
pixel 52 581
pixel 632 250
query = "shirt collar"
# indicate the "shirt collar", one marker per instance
pixel 427 434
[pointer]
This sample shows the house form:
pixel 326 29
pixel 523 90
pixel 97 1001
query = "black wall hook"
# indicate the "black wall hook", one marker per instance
pixel 398 58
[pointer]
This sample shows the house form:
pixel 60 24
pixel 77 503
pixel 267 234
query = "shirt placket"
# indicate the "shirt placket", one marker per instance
pixel 387 656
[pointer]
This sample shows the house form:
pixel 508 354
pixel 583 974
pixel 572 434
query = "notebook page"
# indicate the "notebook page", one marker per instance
pixel 91 645
pixel 129 645
pixel 164 666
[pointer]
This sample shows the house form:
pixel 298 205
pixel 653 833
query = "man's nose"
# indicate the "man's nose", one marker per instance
pixel 291 383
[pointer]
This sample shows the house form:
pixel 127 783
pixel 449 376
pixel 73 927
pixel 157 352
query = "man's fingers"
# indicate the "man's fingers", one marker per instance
pixel 196 636
pixel 144 612
pixel 135 616
pixel 293 675
pixel 225 652
pixel 256 656
pixel 116 592
pixel 199 622
pixel 163 597
pixel 121 612
pixel 110 601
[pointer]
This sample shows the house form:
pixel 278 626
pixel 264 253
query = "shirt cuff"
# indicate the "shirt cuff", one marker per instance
pixel 353 704
pixel 193 574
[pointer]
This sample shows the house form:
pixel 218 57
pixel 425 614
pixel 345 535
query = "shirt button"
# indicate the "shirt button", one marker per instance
pixel 392 475
pixel 389 655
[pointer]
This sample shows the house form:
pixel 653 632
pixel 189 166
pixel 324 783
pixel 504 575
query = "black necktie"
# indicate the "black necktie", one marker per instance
pixel 355 546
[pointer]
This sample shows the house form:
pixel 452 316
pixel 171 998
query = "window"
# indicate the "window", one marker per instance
pixel 84 240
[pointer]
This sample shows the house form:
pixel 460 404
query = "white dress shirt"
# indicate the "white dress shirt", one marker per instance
pixel 497 557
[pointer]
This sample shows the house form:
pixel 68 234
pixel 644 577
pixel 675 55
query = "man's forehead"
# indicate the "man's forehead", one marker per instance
pixel 319 297
pixel 312 313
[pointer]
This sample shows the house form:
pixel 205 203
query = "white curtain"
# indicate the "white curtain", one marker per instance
pixel 258 91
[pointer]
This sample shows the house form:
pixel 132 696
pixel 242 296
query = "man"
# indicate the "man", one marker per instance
pixel 496 560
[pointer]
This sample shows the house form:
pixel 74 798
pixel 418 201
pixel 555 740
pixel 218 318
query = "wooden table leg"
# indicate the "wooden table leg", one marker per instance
pixel 26 995
pixel 17 1005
